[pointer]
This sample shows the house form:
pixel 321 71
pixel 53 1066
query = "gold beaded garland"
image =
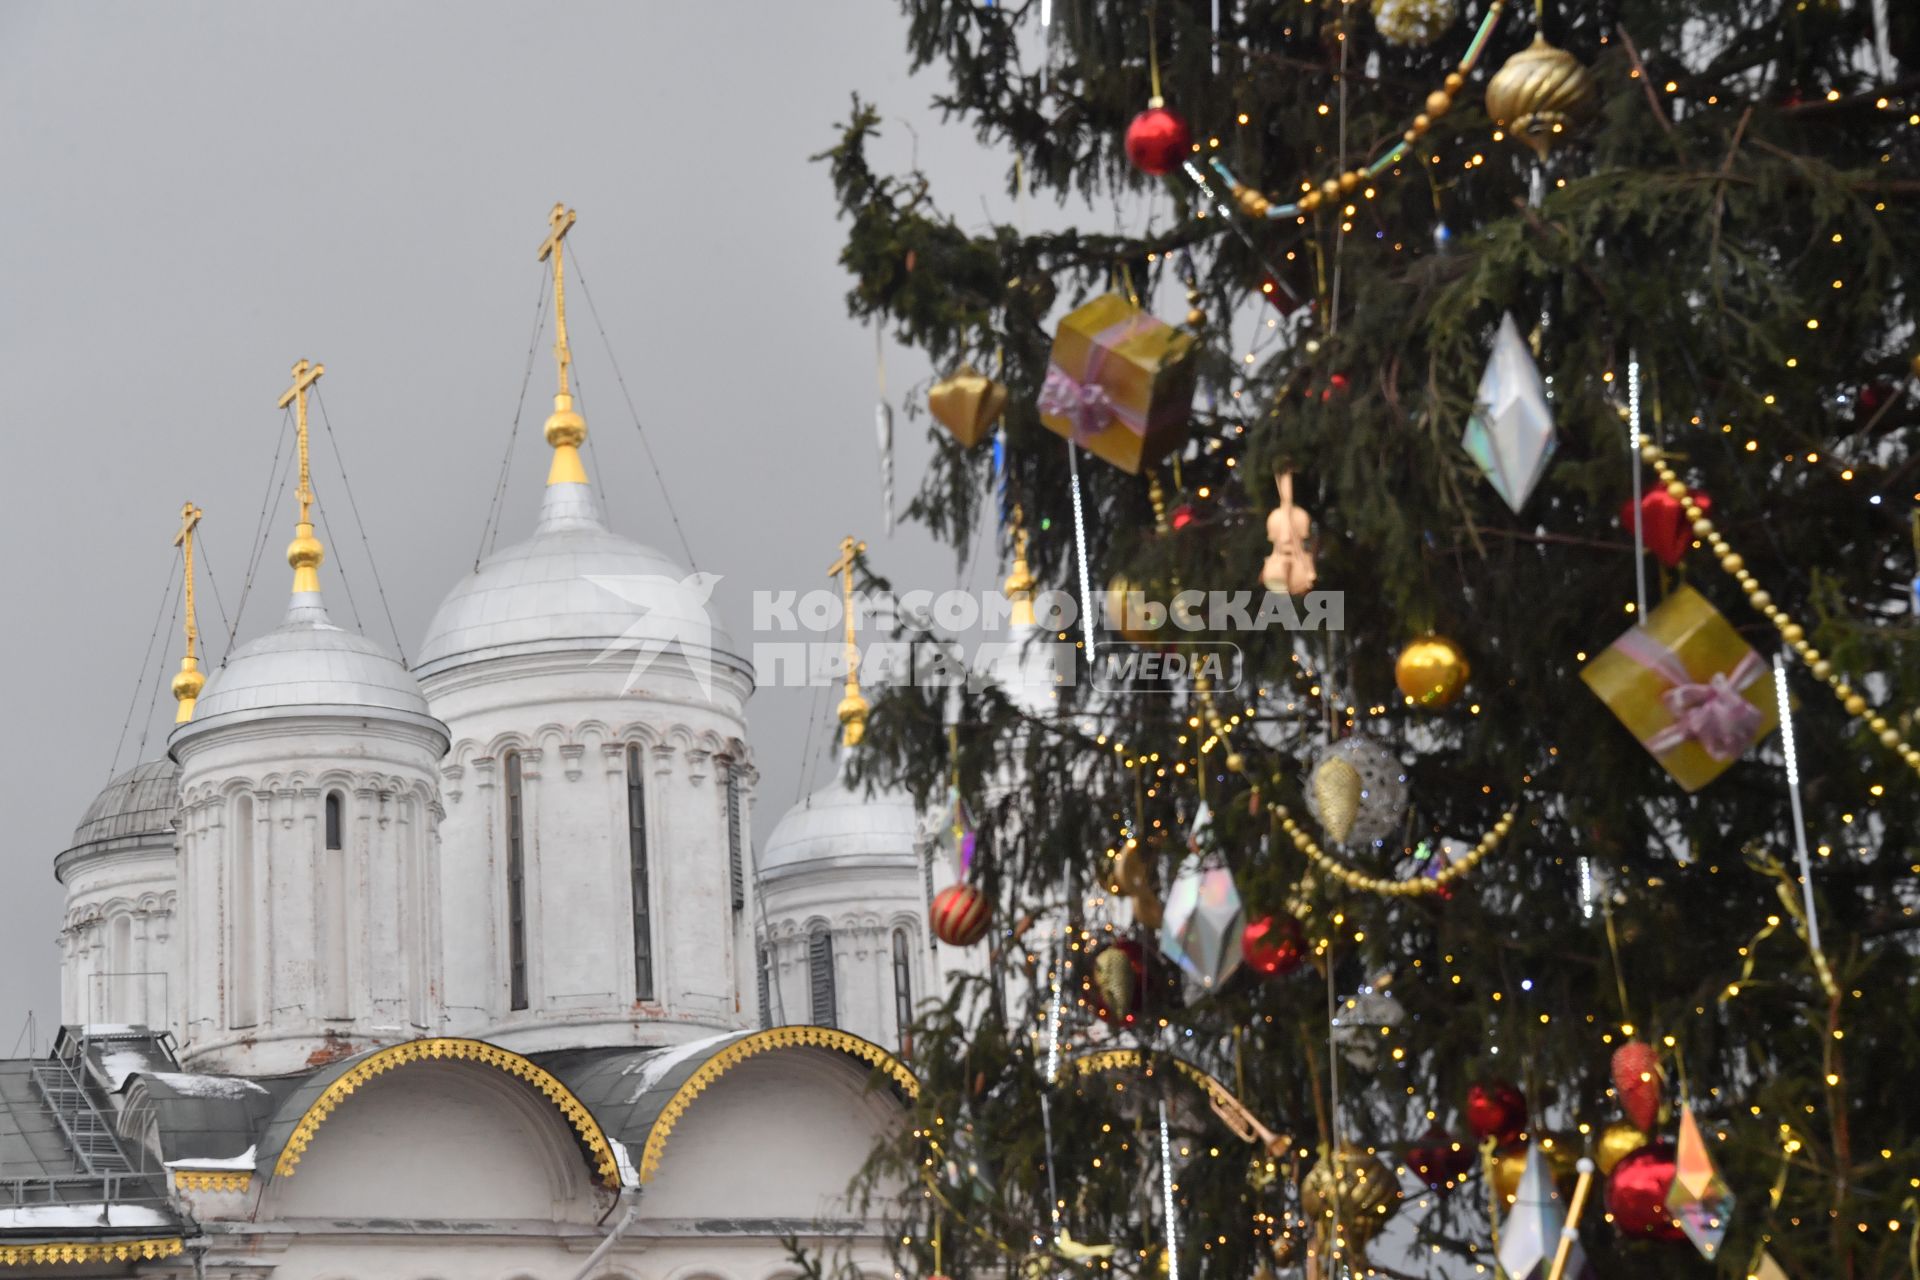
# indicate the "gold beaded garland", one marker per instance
pixel 1791 633
pixel 1392 888
pixel 1438 103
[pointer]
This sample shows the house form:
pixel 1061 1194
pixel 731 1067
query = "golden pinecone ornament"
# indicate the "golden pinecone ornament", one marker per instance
pixel 1541 93
pixel 1367 1192
pixel 1415 23
pixel 1336 793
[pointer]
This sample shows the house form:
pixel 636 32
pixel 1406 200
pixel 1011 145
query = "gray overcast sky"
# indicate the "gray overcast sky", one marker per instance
pixel 198 194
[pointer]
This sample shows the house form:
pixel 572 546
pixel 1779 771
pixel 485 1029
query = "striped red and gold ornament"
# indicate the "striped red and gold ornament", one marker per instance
pixel 959 915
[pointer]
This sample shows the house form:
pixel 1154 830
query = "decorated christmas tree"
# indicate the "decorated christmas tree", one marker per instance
pixel 1550 854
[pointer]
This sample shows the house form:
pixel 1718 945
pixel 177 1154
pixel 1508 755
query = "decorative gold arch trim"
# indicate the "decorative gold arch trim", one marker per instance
pixel 34 1255
pixel 752 1046
pixel 443 1049
pixel 1237 1115
pixel 212 1179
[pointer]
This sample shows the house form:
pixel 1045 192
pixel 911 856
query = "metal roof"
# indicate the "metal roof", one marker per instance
pixel 202 1117
pixel 540 595
pixel 139 802
pixel 843 824
pixel 307 663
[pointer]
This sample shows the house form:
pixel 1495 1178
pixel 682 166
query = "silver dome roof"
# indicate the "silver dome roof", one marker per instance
pixel 841 823
pixel 139 802
pixel 307 663
pixel 573 585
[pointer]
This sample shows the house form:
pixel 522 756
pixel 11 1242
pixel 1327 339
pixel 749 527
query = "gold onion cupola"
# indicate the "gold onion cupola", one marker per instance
pixel 189 680
pixel 304 553
pixel 852 711
pixel 566 429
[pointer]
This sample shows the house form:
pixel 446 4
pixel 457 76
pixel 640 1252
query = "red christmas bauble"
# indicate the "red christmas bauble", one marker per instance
pixel 959 915
pixel 1636 1079
pixel 1337 385
pixel 1637 1194
pixel 1273 946
pixel 1182 516
pixel 1439 1161
pixel 1664 524
pixel 1157 141
pixel 1495 1109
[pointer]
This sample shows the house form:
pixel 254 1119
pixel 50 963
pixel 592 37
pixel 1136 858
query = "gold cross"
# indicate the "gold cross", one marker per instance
pixel 561 220
pixel 187 684
pixel 305 374
pixel 853 707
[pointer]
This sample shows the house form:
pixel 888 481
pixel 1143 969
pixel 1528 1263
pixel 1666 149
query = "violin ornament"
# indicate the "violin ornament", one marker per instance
pixel 1289 570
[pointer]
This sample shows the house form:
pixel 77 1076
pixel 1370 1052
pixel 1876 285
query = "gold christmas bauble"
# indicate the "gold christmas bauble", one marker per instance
pixel 1127 874
pixel 1432 671
pixel 1539 94
pixel 1367 1192
pixel 1510 1161
pixel 1336 793
pixel 1616 1142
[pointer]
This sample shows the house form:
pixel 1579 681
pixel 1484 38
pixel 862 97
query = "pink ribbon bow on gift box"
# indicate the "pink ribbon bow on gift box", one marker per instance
pixel 1712 713
pixel 1085 404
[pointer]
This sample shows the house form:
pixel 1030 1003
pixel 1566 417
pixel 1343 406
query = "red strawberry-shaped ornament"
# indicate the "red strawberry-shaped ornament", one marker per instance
pixel 1636 1079
pixel 1664 524
pixel 1495 1109
pixel 1158 139
pixel 1637 1194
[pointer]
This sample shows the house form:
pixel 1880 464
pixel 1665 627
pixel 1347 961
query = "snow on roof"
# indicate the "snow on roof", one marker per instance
pixel 188 1085
pixel 84 1217
pixel 202 1163
pixel 654 1067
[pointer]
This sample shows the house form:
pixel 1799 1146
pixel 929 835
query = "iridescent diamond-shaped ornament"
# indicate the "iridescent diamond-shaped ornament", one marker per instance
pixel 1511 431
pixel 1699 1198
pixel 1530 1233
pixel 1201 924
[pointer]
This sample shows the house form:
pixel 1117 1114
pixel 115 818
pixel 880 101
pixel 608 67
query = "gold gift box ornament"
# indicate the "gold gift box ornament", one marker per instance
pixel 1688 687
pixel 1120 383
pixel 968 404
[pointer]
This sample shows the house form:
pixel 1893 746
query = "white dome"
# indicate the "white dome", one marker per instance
pixel 840 825
pixel 306 664
pixel 573 585
pixel 137 803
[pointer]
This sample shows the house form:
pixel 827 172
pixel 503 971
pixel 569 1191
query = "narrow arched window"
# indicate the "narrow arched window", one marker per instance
pixel 736 864
pixel 763 966
pixel 333 808
pixel 820 978
pixel 516 885
pixel 637 870
pixel 903 990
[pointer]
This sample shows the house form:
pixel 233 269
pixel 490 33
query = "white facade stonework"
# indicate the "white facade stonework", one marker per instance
pixel 560 698
pixel 401 974
pixel 117 943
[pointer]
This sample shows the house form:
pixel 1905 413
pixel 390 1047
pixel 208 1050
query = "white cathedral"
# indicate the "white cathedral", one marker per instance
pixel 468 970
